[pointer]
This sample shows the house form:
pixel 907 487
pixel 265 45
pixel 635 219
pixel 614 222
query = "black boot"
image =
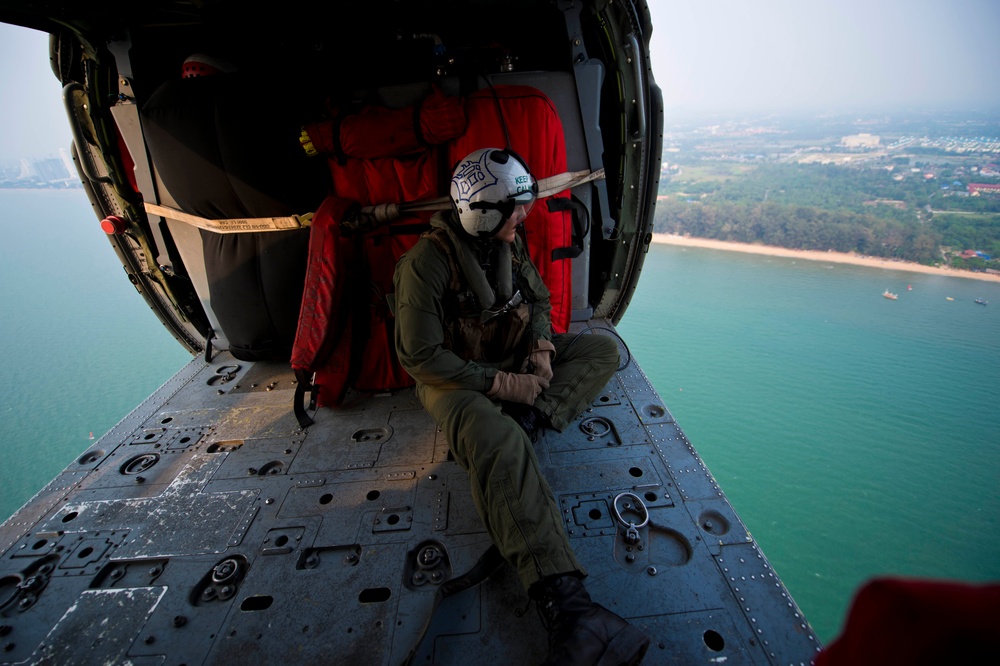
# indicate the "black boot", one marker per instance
pixel 530 418
pixel 582 632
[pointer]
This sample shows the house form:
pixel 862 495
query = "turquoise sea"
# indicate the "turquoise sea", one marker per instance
pixel 80 348
pixel 856 436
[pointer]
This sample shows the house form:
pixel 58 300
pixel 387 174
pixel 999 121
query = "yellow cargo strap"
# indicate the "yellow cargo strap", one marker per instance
pixel 240 225
pixel 565 181
pixel 546 188
pixel 376 215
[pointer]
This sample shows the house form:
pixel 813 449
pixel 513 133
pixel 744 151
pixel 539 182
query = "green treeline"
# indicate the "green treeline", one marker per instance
pixel 873 211
pixel 799 227
pixel 965 231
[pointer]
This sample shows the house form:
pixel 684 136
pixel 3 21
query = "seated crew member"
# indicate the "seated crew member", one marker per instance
pixel 473 329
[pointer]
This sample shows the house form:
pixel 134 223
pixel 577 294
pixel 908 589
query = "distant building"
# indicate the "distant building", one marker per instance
pixel 863 140
pixel 10 171
pixel 975 254
pixel 976 189
pixel 67 162
pixel 48 172
pixel 27 169
pixel 50 169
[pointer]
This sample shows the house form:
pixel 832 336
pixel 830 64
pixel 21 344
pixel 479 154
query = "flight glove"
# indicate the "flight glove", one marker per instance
pixel 517 387
pixel 539 361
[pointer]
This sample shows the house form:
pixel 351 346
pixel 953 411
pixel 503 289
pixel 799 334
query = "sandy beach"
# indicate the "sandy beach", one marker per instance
pixel 813 255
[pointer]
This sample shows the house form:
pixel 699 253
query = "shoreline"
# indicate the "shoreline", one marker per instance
pixel 816 255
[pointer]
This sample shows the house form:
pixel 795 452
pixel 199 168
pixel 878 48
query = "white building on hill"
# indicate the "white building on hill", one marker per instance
pixel 860 141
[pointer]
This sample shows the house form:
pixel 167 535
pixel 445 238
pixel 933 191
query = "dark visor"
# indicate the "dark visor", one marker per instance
pixel 507 206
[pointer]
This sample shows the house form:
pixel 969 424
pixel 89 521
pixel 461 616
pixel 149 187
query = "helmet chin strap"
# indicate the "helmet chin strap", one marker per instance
pixel 467 250
pixel 503 272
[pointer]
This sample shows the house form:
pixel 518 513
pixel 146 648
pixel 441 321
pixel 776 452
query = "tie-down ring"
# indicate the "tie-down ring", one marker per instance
pixel 618 515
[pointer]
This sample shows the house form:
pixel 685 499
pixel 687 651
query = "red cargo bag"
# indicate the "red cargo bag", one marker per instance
pixel 529 118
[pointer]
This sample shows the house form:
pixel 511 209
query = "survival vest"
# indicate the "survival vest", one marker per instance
pixel 500 335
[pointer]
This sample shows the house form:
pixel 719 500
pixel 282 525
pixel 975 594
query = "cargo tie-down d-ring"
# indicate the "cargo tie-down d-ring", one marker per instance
pixel 224 374
pixel 631 531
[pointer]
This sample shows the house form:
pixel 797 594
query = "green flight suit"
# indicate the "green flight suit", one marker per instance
pixel 512 496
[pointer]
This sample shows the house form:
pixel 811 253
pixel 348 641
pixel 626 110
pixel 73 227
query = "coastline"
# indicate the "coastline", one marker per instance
pixel 816 255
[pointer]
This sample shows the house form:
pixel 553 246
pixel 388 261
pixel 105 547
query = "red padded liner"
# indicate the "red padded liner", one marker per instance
pixel 535 134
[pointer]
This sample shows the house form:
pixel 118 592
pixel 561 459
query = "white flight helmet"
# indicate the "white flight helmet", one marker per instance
pixel 487 186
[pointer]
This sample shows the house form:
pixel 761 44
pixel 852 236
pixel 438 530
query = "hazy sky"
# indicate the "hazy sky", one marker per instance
pixel 717 55
pixel 813 54
pixel 32 120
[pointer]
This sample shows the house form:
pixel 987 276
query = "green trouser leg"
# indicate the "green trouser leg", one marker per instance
pixel 582 367
pixel 512 497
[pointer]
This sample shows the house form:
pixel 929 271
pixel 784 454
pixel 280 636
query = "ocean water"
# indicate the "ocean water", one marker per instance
pixel 856 436
pixel 80 348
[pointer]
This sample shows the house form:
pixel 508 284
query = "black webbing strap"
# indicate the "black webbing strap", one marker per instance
pixel 303 383
pixel 417 130
pixel 580 230
pixel 338 145
pixel 208 344
pixel 488 562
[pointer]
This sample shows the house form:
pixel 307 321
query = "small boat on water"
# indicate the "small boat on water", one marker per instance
pixel 888 294
pixel 909 287
pixel 982 301
pixel 949 298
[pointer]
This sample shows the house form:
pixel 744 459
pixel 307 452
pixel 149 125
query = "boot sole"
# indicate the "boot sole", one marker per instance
pixel 627 648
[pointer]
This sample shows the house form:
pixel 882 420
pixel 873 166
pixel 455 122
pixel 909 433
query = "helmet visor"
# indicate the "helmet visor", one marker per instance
pixel 507 207
pixel 524 201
